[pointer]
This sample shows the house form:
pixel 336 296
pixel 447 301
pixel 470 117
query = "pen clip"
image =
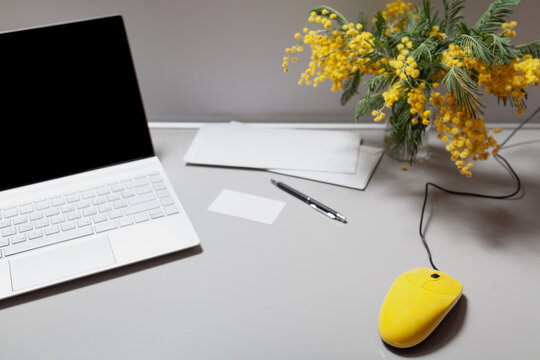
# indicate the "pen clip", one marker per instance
pixel 330 215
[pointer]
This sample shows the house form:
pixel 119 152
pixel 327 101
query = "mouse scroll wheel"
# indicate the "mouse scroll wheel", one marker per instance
pixel 435 276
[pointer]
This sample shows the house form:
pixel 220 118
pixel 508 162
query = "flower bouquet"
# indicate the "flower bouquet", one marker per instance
pixel 425 68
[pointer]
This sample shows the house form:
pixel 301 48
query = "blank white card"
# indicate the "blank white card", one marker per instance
pixel 246 206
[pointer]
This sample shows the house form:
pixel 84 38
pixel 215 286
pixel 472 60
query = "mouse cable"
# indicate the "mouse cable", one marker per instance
pixel 454 192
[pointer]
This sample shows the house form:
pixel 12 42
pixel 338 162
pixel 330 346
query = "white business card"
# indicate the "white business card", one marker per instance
pixel 246 206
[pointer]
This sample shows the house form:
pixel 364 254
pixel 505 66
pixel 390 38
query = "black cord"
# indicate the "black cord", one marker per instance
pixel 454 192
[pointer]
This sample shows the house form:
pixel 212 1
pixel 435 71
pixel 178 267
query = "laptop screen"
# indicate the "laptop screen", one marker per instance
pixel 69 101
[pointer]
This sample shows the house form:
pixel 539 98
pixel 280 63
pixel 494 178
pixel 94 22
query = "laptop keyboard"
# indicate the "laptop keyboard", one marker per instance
pixel 99 209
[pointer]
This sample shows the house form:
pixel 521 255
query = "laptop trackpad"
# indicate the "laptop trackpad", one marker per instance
pixel 61 263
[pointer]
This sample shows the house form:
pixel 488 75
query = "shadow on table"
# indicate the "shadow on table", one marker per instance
pixel 441 336
pixel 96 278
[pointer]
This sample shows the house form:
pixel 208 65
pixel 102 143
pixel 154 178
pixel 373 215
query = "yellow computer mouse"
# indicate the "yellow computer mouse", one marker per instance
pixel 416 303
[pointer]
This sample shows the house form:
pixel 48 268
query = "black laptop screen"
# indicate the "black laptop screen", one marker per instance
pixel 69 101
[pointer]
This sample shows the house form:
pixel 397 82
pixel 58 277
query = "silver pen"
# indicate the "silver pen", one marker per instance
pixel 333 214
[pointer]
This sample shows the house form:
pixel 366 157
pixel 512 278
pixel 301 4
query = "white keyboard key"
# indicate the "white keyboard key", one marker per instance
pixel 170 210
pixel 88 194
pixel 99 218
pixel 34 234
pixel 119 204
pixel 57 219
pixel 140 217
pixel 105 226
pixel 149 205
pixel 115 214
pixel 25 209
pixel 74 197
pixel 67 226
pixel 83 204
pixel 25 227
pixel 116 187
pixel 36 215
pixel 154 214
pixel 57 201
pixel 114 196
pixel 98 201
pixel 163 193
pixel 141 199
pixel 4 242
pixel 42 204
pixel 125 221
pixel 41 223
pixel 9 231
pixel 52 230
pixel 102 190
pixel 49 240
pixel 159 185
pixel 67 208
pixel 51 212
pixel 128 193
pixel 89 211
pixel 17 238
pixel 5 223
pixel 143 190
pixel 73 215
pixel 20 219
pixel 166 201
pixel 136 183
pixel 10 212
pixel 104 208
pixel 84 222
pixel 154 178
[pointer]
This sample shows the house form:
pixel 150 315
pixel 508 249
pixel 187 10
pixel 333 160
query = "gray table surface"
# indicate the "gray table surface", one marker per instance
pixel 307 287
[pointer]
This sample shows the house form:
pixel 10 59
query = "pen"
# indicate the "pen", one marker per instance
pixel 333 214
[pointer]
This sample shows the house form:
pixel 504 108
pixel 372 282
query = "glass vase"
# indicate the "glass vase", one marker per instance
pixel 401 150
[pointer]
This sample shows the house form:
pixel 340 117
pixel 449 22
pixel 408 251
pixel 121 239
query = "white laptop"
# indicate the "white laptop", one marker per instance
pixel 81 190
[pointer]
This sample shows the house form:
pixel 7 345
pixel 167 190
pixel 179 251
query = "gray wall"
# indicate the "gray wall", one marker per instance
pixel 211 60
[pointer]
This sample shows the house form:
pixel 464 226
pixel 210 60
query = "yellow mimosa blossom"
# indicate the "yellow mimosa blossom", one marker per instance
pixel 470 137
pixel 509 29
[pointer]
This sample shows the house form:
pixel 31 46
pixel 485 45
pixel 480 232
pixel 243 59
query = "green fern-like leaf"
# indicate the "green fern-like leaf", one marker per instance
pixel 532 48
pixel 452 16
pixel 499 47
pixel 495 15
pixel 475 47
pixel 405 134
pixel 458 82
pixel 380 82
pixel 351 87
pixel 362 19
pixel 380 25
pixel 367 104
pixel 425 50
pixel 411 23
pixel 425 20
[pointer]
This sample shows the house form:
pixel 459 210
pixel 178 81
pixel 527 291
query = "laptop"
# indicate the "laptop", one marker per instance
pixel 81 189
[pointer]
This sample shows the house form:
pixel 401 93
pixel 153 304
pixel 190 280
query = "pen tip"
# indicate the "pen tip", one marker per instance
pixel 273 181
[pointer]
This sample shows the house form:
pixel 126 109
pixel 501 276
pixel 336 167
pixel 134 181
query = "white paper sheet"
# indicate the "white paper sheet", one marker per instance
pixel 246 206
pixel 242 145
pixel 368 158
